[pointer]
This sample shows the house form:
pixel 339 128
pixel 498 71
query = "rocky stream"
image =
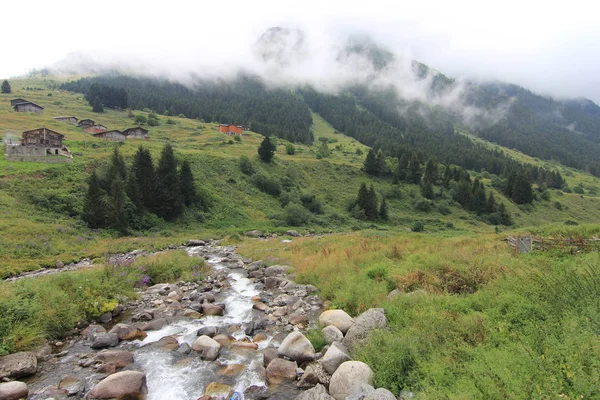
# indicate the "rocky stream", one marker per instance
pixel 235 335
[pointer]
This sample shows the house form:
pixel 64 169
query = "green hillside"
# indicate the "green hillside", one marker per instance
pixel 41 203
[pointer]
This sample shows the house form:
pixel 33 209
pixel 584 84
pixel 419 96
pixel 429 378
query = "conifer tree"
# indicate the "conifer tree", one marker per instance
pixel 381 166
pixel 430 174
pixel 6 87
pixel 362 200
pixel 414 170
pixel 383 212
pixel 168 196
pixel 266 150
pixel 371 206
pixel 188 189
pixel 521 191
pixel 490 205
pixel 94 210
pixel 505 218
pixel 401 168
pixel 427 190
pixel 145 177
pixel 447 177
pixel 116 215
pixel 371 164
pixel 117 167
pixel 97 106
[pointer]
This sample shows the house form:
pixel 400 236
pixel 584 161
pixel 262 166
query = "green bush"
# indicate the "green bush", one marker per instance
pixel 290 149
pixel 316 338
pixel 266 184
pixel 295 215
pixel 418 227
pixel 246 166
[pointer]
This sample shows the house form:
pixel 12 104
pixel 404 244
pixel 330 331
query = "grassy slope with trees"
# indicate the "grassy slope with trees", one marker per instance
pixel 480 323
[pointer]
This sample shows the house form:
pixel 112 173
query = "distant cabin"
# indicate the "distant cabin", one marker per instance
pixel 14 102
pixel 111 135
pixel 230 129
pixel 86 123
pixel 96 128
pixel 136 132
pixel 28 106
pixel 69 119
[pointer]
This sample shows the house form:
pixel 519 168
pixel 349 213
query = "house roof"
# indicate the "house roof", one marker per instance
pixel 135 128
pixel 20 100
pixel 65 116
pixel 46 129
pixel 105 132
pixel 87 119
pixel 28 102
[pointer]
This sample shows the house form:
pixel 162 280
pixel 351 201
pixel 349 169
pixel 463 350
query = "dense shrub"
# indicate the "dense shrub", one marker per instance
pixel 295 215
pixel 266 184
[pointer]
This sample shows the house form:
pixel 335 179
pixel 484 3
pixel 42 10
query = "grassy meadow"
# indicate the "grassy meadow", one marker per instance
pixel 473 320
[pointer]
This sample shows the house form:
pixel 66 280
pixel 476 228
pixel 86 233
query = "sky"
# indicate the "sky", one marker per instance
pixel 550 47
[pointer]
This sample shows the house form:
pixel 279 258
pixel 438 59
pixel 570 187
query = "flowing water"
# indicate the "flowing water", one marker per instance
pixel 174 376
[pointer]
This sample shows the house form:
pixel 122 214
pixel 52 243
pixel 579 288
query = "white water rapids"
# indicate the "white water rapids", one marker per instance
pixel 175 377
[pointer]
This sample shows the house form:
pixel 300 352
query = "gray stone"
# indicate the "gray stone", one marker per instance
pixel 280 370
pixel 393 294
pixel 184 348
pixel 153 325
pixel 357 335
pixel 121 358
pixel 128 332
pixel 13 390
pixel 317 393
pixel 293 233
pixel 209 331
pixel 195 242
pixel 272 282
pixel 71 385
pixel 380 394
pixel 269 355
pixel 314 373
pixel 255 233
pixel 297 347
pixel 105 318
pixel 118 310
pixel 120 384
pixel 208 347
pixel 334 357
pixel 332 334
pixel 361 392
pixel 338 318
pixel 18 365
pixel 103 340
pixel 348 379
pixel 275 270
pixel 256 392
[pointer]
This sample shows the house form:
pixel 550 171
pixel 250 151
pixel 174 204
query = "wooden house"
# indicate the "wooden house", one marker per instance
pixel 14 102
pixel 39 145
pixel 96 128
pixel 136 132
pixel 28 106
pixel 230 129
pixel 86 123
pixel 42 137
pixel 114 134
pixel 69 119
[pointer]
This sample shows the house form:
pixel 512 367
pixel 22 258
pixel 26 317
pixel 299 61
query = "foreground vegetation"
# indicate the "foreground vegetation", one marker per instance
pixel 473 320
pixel 36 309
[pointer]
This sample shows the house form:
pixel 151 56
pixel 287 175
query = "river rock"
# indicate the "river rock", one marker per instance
pixel 280 370
pixel 208 347
pixel 105 318
pixel 18 365
pixel 297 347
pixel 334 357
pixel 174 295
pixel 259 337
pixel 192 314
pixel 357 335
pixel 317 393
pixel 103 340
pixel 272 282
pixel 120 384
pixel 118 310
pixel 212 309
pixel 195 242
pixel 91 331
pixel 314 373
pixel 43 351
pixel 243 345
pixel 297 319
pixel 292 233
pixel 223 338
pixel 275 270
pixel 260 306
pixel 269 355
pixel 168 343
pixel 332 334
pixel 13 390
pixel 218 391
pixel 121 358
pixel 142 316
pixel 256 392
pixel 154 325
pixel 255 233
pixel 231 370
pixel 338 318
pixel 128 332
pixel 280 312
pixel 71 385
pixel 380 394
pixel 184 348
pixel 209 331
pixel 348 378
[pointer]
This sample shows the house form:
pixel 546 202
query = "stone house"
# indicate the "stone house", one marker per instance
pixel 86 123
pixel 69 119
pixel 28 106
pixel 114 134
pixel 136 132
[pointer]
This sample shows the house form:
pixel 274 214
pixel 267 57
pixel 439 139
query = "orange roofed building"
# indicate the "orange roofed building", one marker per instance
pixel 230 129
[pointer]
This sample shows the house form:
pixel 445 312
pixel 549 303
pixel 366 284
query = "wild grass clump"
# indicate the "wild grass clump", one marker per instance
pixel 35 309
pixel 316 338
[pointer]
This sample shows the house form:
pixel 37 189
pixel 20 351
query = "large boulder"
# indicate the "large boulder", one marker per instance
pixel 338 318
pixel 121 358
pixel 334 357
pixel 212 309
pixel 297 347
pixel 280 370
pixel 255 233
pixel 13 390
pixel 380 394
pixel 128 332
pixel 18 365
pixel 348 378
pixel 103 340
pixel 357 335
pixel 209 331
pixel 332 334
pixel 71 385
pixel 120 384
pixel 314 373
pixel 317 393
pixel 167 343
pixel 275 270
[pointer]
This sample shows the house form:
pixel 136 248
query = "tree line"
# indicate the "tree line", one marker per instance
pixel 122 197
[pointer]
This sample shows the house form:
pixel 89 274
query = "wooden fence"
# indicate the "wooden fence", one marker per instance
pixel 573 244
